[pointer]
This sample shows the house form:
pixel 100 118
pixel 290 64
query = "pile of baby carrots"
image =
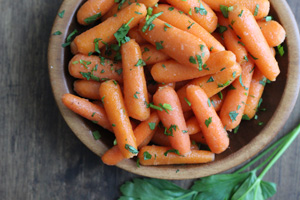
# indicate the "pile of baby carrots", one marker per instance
pixel 172 73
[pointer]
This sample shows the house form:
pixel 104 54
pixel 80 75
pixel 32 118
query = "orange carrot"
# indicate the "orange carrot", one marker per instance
pixel 117 8
pixel 172 118
pixel 234 105
pixel 260 8
pixel 198 137
pixel 193 126
pixel 134 33
pixel 87 110
pixel 179 45
pixel 210 124
pixel 156 155
pixel 151 55
pixel 257 87
pixel 171 71
pixel 160 138
pixel 135 88
pixel 92 68
pixel 273 51
pixel 198 11
pixel 173 17
pixel 273 32
pixel 92 10
pixel 111 95
pixel 247 28
pixel 231 40
pixel 144 131
pixel 211 84
pixel 218 99
pixel 104 32
pixel 87 89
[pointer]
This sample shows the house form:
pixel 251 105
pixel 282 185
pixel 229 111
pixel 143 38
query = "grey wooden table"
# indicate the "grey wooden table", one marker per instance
pixel 40 157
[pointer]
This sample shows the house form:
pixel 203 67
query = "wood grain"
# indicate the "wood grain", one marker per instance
pixel 40 156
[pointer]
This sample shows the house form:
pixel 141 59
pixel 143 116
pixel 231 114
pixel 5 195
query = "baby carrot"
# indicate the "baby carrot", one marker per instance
pixel 193 126
pixel 115 9
pixel 198 137
pixel 134 33
pixel 94 68
pixel 198 11
pixel 160 138
pixel 92 10
pixel 257 87
pixel 211 84
pixel 111 95
pixel 210 124
pixel 135 88
pixel 172 118
pixel 247 28
pixel 234 105
pixel 104 32
pixel 259 8
pixel 156 155
pixel 142 132
pixel 231 40
pixel 182 46
pixel 173 17
pixel 151 55
pixel 171 71
pixel 87 89
pixel 273 32
pixel 218 99
pixel 87 110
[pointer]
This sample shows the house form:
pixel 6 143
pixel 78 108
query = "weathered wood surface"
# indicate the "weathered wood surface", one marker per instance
pixel 40 156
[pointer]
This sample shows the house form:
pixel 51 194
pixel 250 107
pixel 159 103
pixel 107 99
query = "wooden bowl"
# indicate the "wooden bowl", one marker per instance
pixel 279 99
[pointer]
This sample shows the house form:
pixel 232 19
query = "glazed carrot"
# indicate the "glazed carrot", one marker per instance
pixel 198 11
pixel 193 126
pixel 179 45
pixel 87 110
pixel 172 118
pixel 172 71
pixel 234 105
pixel 92 68
pixel 218 99
pixel 172 85
pixel 134 33
pixel 151 55
pixel 85 42
pixel 273 51
pixel 211 84
pixel 117 8
pixel 156 155
pixel 111 95
pixel 262 6
pixel 144 131
pixel 135 88
pixel 273 32
pixel 192 123
pixel 87 89
pixel 198 137
pixel 92 10
pixel 231 40
pixel 185 23
pixel 257 87
pixel 160 138
pixel 247 28
pixel 210 123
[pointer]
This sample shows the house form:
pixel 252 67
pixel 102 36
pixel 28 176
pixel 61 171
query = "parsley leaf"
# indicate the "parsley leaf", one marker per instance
pixel 131 149
pixel 92 19
pixel 120 35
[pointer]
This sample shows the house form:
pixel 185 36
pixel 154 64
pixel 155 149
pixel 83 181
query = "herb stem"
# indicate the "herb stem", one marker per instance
pixel 186 195
pixel 261 155
pixel 292 136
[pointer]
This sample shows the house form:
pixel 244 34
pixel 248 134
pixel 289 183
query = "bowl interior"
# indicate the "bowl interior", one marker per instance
pixel 250 138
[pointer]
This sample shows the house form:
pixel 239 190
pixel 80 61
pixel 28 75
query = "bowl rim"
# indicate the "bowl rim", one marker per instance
pixel 271 129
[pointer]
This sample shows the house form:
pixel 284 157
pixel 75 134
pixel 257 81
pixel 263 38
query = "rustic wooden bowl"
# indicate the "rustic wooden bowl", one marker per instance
pixel 279 99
